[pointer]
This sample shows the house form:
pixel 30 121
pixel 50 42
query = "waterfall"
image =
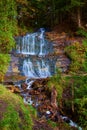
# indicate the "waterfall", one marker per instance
pixel 37 68
pixel 28 69
pixel 32 44
pixel 35 44
pixel 43 69
pixel 42 42
pixel 26 44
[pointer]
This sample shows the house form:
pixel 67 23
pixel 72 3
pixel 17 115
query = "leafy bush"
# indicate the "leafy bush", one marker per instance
pixel 77 53
pixel 82 32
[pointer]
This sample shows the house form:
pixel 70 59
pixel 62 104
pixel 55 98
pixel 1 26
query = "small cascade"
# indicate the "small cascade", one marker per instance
pixel 37 68
pixel 70 122
pixel 42 41
pixel 26 44
pixel 43 69
pixel 29 84
pixel 28 68
pixel 33 44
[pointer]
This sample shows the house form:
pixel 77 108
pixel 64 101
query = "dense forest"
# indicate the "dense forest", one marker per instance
pixel 65 22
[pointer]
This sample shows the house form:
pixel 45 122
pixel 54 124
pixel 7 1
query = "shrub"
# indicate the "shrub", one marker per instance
pixel 77 53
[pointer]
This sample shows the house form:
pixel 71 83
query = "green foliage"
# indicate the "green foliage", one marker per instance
pixel 77 92
pixel 53 124
pixel 82 32
pixel 38 13
pixel 7 30
pixel 10 120
pixel 77 3
pixel 56 81
pixel 7 25
pixel 33 111
pixel 81 105
pixel 77 53
pixel 79 86
pixel 14 114
pixel 4 62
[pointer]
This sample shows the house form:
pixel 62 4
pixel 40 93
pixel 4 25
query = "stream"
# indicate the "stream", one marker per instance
pixel 36 62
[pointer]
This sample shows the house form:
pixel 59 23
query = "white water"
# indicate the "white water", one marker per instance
pixel 28 100
pixel 31 44
pixel 26 44
pixel 29 84
pixel 28 69
pixel 35 69
pixel 71 123
pixel 34 44
pixel 42 42
pixel 43 69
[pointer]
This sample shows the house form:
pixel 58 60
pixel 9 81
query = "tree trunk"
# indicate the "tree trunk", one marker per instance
pixel 79 17
pixel 53 13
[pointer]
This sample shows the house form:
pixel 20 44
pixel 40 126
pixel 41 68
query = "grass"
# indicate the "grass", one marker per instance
pixel 14 115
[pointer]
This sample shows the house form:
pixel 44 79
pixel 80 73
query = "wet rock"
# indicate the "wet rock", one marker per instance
pixel 66 119
pixel 13 88
pixel 28 100
pixel 24 86
pixel 31 92
pixel 42 124
pixel 59 43
pixel 41 89
pixel 41 97
pixel 12 78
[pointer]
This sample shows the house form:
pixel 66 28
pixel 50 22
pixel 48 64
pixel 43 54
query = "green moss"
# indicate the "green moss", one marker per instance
pixel 77 53
pixel 57 82
pixel 60 126
pixel 4 62
pixel 53 124
pixel 15 115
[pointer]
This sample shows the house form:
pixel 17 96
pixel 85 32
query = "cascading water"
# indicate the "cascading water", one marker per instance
pixel 28 68
pixel 43 69
pixel 42 41
pixel 33 44
pixel 26 44
pixel 37 67
pixel 36 45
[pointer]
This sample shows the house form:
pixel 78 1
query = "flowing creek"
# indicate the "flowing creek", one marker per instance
pixel 36 62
